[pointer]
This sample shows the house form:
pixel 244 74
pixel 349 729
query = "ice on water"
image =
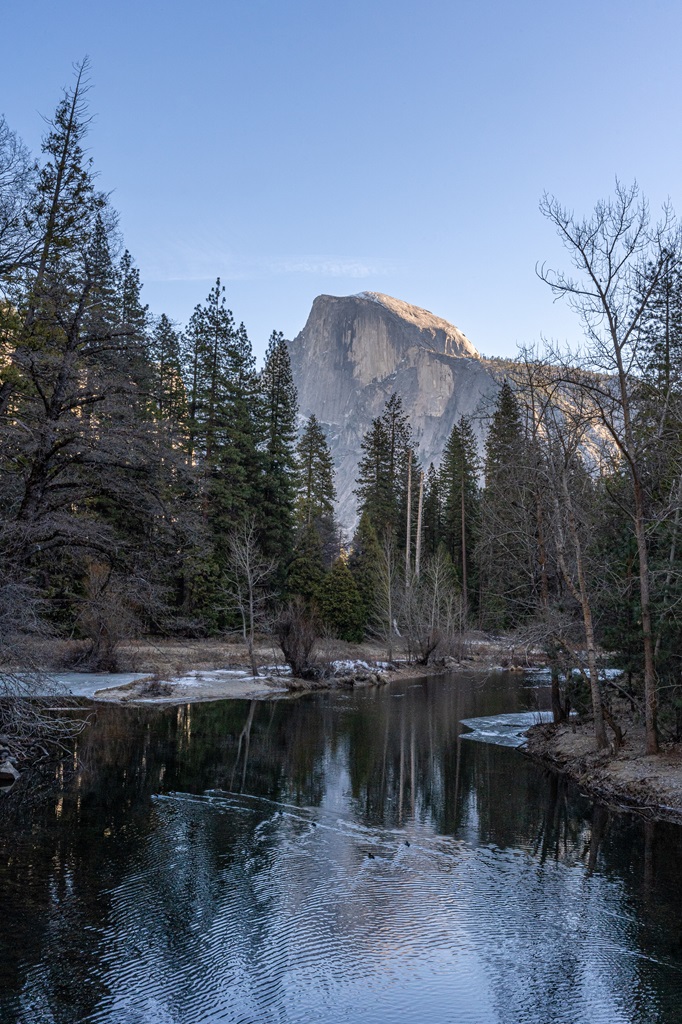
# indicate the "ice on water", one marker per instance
pixel 505 730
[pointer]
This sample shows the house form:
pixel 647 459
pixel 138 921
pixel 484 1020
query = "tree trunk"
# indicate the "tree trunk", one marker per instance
pixel 465 590
pixel 582 596
pixel 418 547
pixel 650 694
pixel 408 529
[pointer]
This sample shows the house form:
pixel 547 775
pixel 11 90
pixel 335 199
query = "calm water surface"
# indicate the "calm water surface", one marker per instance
pixel 340 857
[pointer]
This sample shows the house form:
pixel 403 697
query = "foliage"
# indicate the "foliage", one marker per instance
pixel 506 554
pixel 341 605
pixel 315 485
pixel 383 471
pixel 365 565
pixel 280 409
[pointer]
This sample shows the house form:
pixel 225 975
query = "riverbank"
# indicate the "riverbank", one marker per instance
pixel 165 671
pixel 169 658
pixel 627 779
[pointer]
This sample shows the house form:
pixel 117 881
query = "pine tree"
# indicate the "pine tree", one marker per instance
pixel 279 409
pixel 661 327
pixel 306 570
pixel 223 421
pixel 316 490
pixel 100 315
pixel 168 393
pixel 365 563
pixel 210 334
pixel 132 315
pixel 239 461
pixel 223 409
pixel 64 214
pixel 506 549
pixel 460 504
pixel 433 528
pixel 340 603
pixel 382 481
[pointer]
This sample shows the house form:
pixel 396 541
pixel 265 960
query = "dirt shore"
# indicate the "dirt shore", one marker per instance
pixel 627 779
pixel 174 671
pixel 167 658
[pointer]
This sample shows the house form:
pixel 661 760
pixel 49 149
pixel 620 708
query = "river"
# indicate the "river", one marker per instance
pixel 340 857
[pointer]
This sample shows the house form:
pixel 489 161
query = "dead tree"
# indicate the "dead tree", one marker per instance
pixel 248 574
pixel 28 694
pixel 620 256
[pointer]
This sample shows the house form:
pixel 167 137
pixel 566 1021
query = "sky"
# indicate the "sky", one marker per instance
pixel 300 147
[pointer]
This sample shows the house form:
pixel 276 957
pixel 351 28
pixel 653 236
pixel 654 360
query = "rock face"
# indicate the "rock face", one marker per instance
pixel 356 350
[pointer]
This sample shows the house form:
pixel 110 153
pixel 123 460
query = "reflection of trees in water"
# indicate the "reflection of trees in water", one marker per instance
pixel 68 853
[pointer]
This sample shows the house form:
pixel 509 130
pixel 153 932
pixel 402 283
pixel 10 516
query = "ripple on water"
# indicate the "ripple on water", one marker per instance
pixel 313 917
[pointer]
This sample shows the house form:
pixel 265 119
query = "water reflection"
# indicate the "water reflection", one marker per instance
pixel 339 857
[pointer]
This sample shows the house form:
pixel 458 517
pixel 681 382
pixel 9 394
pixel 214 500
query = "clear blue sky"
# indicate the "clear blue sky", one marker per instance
pixel 295 147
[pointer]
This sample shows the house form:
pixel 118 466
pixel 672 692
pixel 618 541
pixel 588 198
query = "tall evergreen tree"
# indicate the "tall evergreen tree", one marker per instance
pixel 133 316
pixel 365 563
pixel 168 393
pixel 460 504
pixel 223 419
pixel 340 603
pixel 64 212
pixel 433 526
pixel 316 490
pixel 209 337
pixel 506 550
pixel 660 327
pixel 279 409
pixel 240 462
pixel 382 483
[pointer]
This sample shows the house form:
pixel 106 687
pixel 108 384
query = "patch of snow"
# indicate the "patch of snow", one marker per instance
pixel 85 684
pixel 349 665
pixel 202 678
pixel 543 674
pixel 345 665
pixel 504 730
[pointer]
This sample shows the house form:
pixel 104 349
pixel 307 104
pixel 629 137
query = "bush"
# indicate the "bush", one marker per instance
pixel 297 632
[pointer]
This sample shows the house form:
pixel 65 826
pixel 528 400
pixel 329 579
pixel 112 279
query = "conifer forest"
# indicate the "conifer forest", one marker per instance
pixel 157 482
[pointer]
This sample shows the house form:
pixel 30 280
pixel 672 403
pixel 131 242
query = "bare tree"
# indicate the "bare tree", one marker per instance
pixel 558 420
pixel 17 176
pixel 619 255
pixel 298 632
pixel 432 610
pixel 27 693
pixel 384 623
pixel 248 574
pixel 566 429
pixel 111 612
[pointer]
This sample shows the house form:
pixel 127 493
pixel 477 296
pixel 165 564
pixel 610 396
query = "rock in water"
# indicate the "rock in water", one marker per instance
pixel 356 350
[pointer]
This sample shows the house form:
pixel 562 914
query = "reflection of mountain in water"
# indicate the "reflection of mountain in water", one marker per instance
pixel 343 856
